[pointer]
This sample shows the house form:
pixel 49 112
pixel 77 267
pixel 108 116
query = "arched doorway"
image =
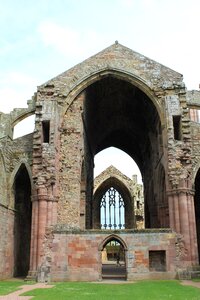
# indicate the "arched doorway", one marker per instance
pixel 113 257
pixel 197 208
pixel 22 222
pixel 116 113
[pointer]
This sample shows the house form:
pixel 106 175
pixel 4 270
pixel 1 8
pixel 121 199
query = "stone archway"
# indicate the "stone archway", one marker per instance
pixel 22 221
pixel 113 258
pixel 117 113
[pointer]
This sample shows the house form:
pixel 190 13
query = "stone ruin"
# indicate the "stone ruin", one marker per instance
pixel 50 203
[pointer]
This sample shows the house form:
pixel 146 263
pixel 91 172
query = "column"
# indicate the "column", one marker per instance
pixel 182 220
pixel 42 222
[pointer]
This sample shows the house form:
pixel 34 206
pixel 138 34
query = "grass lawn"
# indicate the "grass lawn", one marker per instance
pixel 142 290
pixel 7 287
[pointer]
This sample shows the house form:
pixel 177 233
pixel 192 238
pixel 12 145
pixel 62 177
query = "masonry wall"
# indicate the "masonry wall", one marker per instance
pixel 71 159
pixel 13 154
pixel 77 256
pixel 195 133
pixel 6 242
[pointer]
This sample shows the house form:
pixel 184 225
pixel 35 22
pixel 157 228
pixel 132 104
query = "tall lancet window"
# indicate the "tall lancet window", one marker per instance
pixel 112 210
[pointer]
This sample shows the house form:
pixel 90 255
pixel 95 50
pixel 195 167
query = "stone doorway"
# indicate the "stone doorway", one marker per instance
pixel 113 260
pixel 22 222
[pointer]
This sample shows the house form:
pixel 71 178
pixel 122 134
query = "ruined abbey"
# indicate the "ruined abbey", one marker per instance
pixel 58 222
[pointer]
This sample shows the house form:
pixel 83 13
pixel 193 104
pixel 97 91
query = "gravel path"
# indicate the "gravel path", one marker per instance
pixel 191 283
pixel 23 289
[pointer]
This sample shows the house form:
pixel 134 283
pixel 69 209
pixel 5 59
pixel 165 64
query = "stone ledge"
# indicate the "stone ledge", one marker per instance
pixel 62 228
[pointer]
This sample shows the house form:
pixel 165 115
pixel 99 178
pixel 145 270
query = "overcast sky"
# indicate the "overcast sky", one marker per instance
pixel 40 39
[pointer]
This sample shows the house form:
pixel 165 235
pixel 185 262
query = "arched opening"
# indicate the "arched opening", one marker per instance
pixel 22 222
pixel 119 114
pixel 113 256
pixel 119 159
pixel 112 206
pixel 24 127
pixel 197 208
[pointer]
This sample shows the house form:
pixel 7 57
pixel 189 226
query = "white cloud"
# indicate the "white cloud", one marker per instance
pixel 11 98
pixel 17 78
pixel 63 39
pixel 15 89
pixel 70 42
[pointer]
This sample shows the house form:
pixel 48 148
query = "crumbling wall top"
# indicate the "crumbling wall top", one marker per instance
pixel 193 98
pixel 8 121
pixel 18 114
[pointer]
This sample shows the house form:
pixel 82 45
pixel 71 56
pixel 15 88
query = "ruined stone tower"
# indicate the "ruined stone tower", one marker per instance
pixel 49 209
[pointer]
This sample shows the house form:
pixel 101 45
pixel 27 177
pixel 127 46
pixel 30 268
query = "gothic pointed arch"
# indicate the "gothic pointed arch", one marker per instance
pixel 22 163
pixel 113 256
pixel 110 238
pixel 22 221
pixel 113 193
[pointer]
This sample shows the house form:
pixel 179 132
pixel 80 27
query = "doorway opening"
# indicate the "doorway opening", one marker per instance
pixel 22 222
pixel 113 260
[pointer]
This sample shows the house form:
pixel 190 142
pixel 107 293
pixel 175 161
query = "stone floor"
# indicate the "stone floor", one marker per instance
pixel 113 271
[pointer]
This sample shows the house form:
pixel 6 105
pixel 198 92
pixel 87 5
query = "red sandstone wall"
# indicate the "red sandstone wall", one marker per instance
pixel 77 257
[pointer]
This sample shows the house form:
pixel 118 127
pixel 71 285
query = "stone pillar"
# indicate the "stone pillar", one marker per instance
pixel 34 229
pixel 192 225
pixel 182 220
pixel 42 221
pixel 39 223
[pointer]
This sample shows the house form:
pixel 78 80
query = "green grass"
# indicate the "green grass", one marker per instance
pixel 7 287
pixel 142 290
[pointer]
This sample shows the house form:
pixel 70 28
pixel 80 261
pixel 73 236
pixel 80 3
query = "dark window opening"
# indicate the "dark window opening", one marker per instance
pixel 22 222
pixel 46 131
pixel 157 261
pixel 177 127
